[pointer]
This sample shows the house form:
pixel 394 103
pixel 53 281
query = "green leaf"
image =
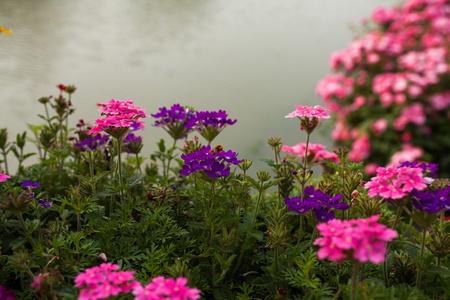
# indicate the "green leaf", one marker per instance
pixel 271 183
pixel 252 182
pixel 268 161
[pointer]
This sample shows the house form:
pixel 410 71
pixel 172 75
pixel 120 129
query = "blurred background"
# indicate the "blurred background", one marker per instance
pixel 254 58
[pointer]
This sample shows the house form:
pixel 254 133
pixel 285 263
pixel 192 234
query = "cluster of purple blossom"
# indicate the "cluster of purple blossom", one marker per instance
pixel 320 203
pixel 213 162
pixel 179 121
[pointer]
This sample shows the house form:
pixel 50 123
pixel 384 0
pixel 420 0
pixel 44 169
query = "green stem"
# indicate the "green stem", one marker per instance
pixel 169 159
pixel 385 266
pixel 138 163
pixel 6 162
pixel 24 227
pixel 247 236
pixel 354 280
pixel 422 251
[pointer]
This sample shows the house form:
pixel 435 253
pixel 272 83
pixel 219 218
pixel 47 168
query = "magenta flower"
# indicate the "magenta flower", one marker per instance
pixel 118 114
pixel 309 116
pixel 4 177
pixel 101 282
pixel 359 240
pixel 6 294
pixel 396 183
pixel 161 288
pixel 307 111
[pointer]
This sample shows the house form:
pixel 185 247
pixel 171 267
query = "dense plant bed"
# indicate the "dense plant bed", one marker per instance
pixel 94 220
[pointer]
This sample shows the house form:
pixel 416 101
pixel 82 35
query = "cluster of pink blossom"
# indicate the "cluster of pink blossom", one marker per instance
pixel 396 182
pixel 357 241
pixel 308 111
pixel 391 82
pixel 4 177
pixel 317 152
pixel 102 282
pixel 118 114
pixel 161 288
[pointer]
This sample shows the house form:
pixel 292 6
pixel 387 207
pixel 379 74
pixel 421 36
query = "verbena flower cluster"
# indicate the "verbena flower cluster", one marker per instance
pixel 320 203
pixel 309 116
pixel 118 114
pixel 214 162
pixel 396 182
pixel 161 288
pixel 3 177
pixel 360 240
pixel 432 202
pixel 390 91
pixel 103 281
pixel 179 121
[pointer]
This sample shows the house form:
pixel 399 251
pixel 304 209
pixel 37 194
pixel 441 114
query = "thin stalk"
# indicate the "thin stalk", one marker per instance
pixel 422 250
pixel 138 163
pixel 241 255
pixel 385 267
pixel 24 227
pixel 170 152
pixel 354 280
pixel 6 162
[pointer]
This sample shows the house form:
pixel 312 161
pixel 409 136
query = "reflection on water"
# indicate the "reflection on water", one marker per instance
pixel 254 58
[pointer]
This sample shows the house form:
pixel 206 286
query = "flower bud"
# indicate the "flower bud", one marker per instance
pixel 263 176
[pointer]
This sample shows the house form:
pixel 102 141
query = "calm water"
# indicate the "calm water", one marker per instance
pixel 253 58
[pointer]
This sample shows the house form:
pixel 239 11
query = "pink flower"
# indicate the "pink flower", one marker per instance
pixel 379 126
pixel 408 153
pixel 4 177
pixel 118 114
pixel 359 240
pixel 396 182
pixel 37 281
pixel 307 111
pixel 102 282
pixel 160 288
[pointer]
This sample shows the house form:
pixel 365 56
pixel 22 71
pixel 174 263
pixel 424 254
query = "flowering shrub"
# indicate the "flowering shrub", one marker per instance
pixel 205 221
pixel 390 92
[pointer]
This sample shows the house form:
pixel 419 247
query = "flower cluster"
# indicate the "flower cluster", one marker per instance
pixel 210 123
pixel 102 282
pixel 309 116
pixel 317 201
pixel 177 121
pixel 6 294
pixel 45 203
pixel 161 288
pixel 316 152
pixel 390 90
pixel 213 162
pixel 396 182
pixel 432 202
pixel 4 177
pixel 358 241
pixel 93 143
pixel 132 144
pixel 118 114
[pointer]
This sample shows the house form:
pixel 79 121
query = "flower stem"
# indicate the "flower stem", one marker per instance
pixel 385 264
pixel 169 159
pixel 422 250
pixel 354 280
pixel 261 190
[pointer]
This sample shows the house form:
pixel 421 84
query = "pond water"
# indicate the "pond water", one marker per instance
pixel 255 59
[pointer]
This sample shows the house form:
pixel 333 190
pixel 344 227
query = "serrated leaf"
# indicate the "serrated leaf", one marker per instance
pixel 268 161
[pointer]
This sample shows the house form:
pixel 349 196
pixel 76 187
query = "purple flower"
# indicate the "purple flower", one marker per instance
pixel 30 184
pixel 317 201
pixel 132 144
pixel 6 294
pixel 176 120
pixel 210 124
pixel 432 202
pixel 213 162
pixel 93 143
pixel 46 203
